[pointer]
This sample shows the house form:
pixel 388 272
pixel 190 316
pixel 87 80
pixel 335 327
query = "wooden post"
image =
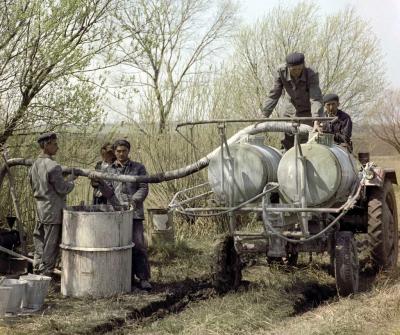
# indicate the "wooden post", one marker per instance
pixel 16 204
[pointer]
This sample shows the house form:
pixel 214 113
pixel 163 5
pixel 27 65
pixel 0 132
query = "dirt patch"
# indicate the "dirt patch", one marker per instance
pixel 179 295
pixel 312 295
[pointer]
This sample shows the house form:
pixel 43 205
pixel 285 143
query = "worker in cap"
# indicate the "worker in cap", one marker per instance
pixel 133 195
pixel 49 190
pixel 303 95
pixel 341 126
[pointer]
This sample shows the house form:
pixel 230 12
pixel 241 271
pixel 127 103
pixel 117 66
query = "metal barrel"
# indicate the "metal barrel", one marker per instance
pixel 96 251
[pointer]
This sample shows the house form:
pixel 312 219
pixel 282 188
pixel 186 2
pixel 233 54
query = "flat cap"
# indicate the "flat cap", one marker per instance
pixel 330 97
pixel 295 58
pixel 47 136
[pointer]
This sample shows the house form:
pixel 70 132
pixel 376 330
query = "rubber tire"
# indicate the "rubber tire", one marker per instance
pixel 346 264
pixel 382 227
pixel 227 266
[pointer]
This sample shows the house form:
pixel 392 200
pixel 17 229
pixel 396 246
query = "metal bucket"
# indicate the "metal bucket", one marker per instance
pixel 5 293
pixel 161 222
pixel 96 251
pixel 36 290
pixel 17 294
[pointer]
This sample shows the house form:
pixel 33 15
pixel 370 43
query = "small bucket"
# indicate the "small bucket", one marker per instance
pixel 5 293
pixel 36 290
pixel 17 294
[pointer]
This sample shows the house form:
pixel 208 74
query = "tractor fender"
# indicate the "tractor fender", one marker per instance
pixel 380 175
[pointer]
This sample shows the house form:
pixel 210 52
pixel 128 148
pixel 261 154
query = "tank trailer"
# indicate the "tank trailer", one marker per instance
pixel 316 197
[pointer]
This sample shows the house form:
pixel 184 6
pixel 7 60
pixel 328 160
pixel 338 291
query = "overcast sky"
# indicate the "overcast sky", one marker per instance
pixel 382 15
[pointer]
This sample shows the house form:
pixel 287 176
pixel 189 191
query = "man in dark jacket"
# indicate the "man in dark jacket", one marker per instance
pixel 341 126
pixel 133 195
pixel 304 97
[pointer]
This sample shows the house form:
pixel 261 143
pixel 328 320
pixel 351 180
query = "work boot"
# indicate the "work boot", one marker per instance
pixel 145 285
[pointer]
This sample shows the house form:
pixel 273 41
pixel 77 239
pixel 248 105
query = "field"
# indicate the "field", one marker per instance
pixel 271 300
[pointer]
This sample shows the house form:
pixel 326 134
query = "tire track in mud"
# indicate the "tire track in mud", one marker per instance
pixel 311 296
pixel 183 293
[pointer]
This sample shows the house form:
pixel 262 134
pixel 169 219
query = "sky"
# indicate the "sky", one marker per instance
pixel 382 15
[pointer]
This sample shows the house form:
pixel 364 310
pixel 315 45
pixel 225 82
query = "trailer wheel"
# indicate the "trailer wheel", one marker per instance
pixel 346 263
pixel 227 266
pixel 382 227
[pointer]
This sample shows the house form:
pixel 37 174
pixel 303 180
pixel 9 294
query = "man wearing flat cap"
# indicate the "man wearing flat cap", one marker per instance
pixel 49 189
pixel 133 195
pixel 304 97
pixel 341 126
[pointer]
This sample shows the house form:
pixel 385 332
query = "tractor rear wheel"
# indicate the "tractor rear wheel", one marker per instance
pixel 346 263
pixel 382 227
pixel 227 266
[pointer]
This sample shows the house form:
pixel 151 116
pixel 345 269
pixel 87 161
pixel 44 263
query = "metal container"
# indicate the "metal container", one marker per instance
pixel 96 251
pixel 5 294
pixel 161 223
pixel 36 290
pixel 254 165
pixel 331 173
pixel 17 294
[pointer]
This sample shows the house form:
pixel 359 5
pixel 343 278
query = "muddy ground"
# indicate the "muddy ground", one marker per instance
pixel 183 300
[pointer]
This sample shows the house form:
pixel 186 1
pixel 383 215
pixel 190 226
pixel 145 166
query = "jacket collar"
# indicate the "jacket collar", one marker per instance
pixel 301 78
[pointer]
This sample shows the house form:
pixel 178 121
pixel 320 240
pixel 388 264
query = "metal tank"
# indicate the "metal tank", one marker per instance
pixel 331 174
pixel 254 165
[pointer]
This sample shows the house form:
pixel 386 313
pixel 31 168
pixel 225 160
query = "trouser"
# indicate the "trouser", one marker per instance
pixel 140 262
pixel 46 238
pixel 288 140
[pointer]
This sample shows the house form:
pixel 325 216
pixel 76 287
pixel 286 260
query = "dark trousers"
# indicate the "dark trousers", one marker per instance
pixel 288 140
pixel 140 262
pixel 47 239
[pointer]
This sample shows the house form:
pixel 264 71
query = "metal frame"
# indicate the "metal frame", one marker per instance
pixel 272 214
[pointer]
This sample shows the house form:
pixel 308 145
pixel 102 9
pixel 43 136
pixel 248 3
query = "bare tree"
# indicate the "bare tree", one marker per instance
pixel 45 47
pixel 340 46
pixel 384 118
pixel 167 43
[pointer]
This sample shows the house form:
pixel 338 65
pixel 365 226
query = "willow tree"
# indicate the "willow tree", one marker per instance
pixel 166 44
pixel 384 118
pixel 45 48
pixel 340 46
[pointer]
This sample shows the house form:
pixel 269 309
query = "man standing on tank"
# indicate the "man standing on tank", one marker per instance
pixel 341 126
pixel 133 195
pixel 303 94
pixel 50 190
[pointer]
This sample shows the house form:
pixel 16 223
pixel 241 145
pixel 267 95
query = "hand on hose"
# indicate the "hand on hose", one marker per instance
pixel 72 176
pixel 317 127
pixel 94 181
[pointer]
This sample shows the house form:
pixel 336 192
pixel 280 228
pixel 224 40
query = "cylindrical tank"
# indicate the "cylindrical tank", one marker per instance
pixel 254 165
pixel 331 173
pixel 96 251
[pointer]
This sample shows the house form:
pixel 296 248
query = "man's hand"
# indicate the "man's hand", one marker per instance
pixel 317 127
pixel 94 180
pixel 132 204
pixel 72 176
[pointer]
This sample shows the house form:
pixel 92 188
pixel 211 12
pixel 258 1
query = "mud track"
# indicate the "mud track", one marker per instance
pixel 179 296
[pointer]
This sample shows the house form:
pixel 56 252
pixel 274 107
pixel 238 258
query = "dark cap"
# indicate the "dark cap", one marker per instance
pixel 47 136
pixel 295 58
pixel 330 97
